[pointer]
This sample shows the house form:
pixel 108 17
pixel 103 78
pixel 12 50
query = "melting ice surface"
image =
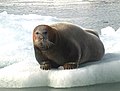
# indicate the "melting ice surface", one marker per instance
pixel 19 68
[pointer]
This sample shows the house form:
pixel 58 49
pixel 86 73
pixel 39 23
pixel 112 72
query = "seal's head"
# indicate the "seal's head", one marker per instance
pixel 43 37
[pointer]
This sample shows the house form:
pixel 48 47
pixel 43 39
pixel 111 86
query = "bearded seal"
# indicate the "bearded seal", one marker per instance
pixel 67 45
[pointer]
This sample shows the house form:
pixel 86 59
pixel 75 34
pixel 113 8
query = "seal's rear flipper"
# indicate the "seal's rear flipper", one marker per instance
pixel 93 32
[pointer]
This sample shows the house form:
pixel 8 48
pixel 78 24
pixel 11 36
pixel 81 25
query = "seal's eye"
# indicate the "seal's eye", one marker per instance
pixel 45 32
pixel 37 33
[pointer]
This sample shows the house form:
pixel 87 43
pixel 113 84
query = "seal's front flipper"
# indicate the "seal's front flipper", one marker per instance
pixel 45 65
pixel 70 65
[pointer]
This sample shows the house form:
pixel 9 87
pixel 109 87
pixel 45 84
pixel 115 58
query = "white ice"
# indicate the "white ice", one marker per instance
pixel 19 68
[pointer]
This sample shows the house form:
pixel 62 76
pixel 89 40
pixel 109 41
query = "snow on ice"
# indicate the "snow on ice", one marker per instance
pixel 19 68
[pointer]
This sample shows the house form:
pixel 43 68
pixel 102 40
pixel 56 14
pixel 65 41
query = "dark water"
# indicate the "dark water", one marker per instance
pixel 102 87
pixel 95 14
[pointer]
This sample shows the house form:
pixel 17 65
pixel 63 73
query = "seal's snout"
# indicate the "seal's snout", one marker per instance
pixel 44 44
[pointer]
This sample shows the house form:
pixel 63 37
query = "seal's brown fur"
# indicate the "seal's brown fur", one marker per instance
pixel 67 45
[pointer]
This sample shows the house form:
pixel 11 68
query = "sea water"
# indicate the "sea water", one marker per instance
pixel 19 68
